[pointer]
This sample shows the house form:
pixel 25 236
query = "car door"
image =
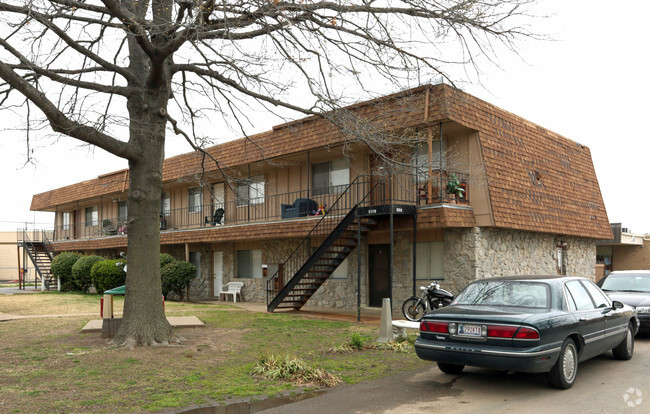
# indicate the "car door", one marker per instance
pixel 591 320
pixel 615 321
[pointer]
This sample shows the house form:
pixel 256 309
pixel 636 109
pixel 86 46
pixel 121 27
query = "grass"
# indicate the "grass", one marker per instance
pixel 47 365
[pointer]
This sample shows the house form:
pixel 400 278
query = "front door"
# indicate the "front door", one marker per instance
pixel 218 199
pixel 378 274
pixel 217 271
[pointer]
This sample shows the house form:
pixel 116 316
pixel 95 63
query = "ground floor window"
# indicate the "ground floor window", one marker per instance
pixel 430 260
pixel 249 264
pixel 195 259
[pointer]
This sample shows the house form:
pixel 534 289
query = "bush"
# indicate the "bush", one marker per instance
pixel 81 271
pixel 176 277
pixel 62 269
pixel 357 342
pixel 108 274
pixel 166 259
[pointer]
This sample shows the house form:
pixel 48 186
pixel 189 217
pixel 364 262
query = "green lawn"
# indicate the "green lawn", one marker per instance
pixel 47 365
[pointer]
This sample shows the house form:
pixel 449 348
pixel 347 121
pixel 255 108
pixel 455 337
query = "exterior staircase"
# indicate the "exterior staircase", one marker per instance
pixel 40 252
pixel 339 229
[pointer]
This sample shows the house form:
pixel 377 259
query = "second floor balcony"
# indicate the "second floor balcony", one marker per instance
pixel 421 190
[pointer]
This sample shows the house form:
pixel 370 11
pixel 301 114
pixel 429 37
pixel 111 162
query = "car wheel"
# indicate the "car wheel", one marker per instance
pixel 625 349
pixel 563 373
pixel 452 369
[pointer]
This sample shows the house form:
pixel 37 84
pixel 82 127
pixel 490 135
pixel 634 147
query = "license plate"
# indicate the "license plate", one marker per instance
pixel 465 329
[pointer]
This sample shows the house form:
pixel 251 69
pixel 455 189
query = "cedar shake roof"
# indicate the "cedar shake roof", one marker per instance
pixel 537 179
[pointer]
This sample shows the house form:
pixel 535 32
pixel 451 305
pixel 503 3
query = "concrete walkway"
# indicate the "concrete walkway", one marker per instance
pixel 15 290
pixel 368 315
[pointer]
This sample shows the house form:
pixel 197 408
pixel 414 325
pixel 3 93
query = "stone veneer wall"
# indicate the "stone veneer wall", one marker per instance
pixel 470 254
pixel 201 286
pixel 342 293
pixel 477 253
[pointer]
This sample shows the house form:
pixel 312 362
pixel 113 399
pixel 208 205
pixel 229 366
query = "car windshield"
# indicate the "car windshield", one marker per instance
pixel 632 282
pixel 505 293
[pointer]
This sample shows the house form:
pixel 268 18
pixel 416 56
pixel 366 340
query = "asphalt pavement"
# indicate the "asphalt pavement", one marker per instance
pixel 603 385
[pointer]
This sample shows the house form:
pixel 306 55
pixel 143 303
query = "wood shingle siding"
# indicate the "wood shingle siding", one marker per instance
pixel 537 180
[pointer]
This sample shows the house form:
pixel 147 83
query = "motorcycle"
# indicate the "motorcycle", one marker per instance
pixel 433 297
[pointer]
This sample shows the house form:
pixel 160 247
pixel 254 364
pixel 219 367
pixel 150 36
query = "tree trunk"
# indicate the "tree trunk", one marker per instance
pixel 144 321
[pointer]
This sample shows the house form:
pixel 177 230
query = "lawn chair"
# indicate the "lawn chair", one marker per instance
pixel 216 218
pixel 232 288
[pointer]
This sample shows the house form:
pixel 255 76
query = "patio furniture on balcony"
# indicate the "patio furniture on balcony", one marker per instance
pixel 300 208
pixel 216 217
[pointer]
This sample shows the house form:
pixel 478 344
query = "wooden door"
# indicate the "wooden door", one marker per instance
pixel 378 274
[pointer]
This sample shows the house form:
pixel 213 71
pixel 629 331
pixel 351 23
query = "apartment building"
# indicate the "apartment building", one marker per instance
pixel 365 203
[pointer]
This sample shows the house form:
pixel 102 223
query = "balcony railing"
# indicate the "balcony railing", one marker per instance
pixel 408 189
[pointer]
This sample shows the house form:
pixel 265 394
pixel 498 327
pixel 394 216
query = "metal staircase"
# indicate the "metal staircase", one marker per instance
pixel 40 252
pixel 326 246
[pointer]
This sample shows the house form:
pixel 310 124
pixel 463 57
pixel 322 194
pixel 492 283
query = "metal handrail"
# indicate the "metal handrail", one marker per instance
pixel 302 251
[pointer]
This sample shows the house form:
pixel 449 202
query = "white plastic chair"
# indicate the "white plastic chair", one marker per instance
pixel 232 288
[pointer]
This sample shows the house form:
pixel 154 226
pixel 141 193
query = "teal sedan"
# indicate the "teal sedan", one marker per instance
pixel 528 324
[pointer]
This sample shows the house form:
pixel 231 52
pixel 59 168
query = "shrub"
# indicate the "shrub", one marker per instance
pixel 357 342
pixel 108 274
pixel 176 277
pixel 166 259
pixel 81 271
pixel 62 269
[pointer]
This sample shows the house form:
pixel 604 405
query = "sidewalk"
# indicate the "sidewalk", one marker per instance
pixel 368 315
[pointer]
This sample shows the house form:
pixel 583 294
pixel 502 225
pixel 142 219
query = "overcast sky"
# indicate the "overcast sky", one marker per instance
pixel 590 84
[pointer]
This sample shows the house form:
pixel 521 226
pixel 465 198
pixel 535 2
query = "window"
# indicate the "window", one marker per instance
pixel 579 295
pixel 65 219
pixel 195 259
pixel 165 204
pixel 430 260
pixel 421 159
pixel 330 177
pixel 597 295
pixel 506 293
pixel 249 264
pixel 195 200
pixel 341 272
pixel 92 218
pixel 121 211
pixel 251 191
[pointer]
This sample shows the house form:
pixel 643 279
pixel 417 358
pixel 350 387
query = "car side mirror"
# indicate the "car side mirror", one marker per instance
pixel 617 305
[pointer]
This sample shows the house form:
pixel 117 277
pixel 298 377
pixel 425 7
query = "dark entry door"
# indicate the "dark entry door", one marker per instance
pixel 379 273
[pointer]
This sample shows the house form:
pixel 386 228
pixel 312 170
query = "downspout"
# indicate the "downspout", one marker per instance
pixel 358 269
pixel 440 158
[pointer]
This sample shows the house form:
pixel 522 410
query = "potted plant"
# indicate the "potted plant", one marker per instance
pixel 454 188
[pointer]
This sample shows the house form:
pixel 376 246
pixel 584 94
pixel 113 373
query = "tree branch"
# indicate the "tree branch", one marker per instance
pixel 61 123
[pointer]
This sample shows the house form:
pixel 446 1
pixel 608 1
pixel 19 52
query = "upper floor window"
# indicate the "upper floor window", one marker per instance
pixel 330 177
pixel 430 258
pixel 122 212
pixel 165 204
pixel 195 201
pixel 251 191
pixel 92 216
pixel 65 220
pixel 421 159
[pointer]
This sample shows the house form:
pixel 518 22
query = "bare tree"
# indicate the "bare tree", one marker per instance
pixel 102 71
